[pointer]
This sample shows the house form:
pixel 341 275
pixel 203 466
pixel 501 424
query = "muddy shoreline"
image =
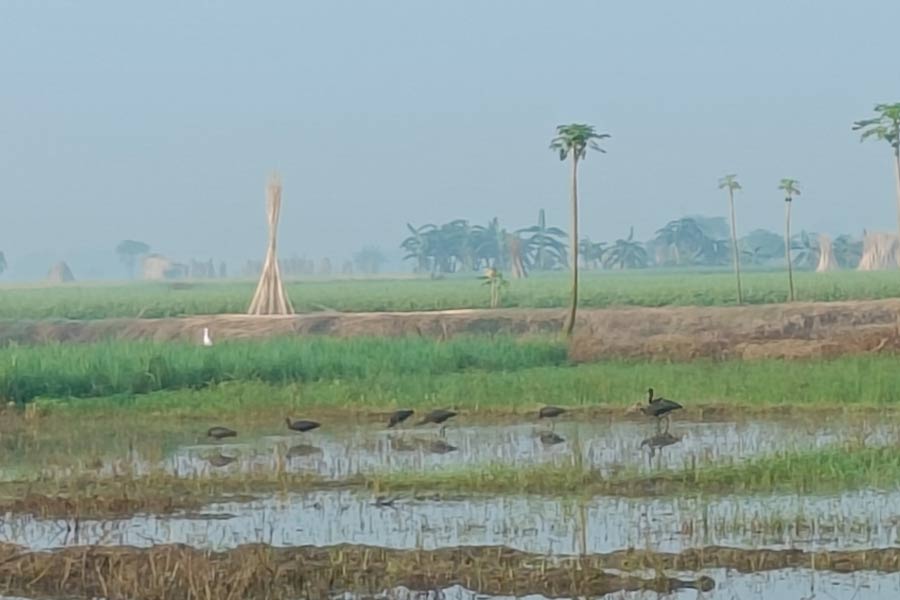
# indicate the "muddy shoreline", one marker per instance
pixel 258 570
pixel 790 331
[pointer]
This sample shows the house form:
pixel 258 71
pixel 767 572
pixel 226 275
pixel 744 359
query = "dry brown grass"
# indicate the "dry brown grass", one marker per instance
pixel 257 570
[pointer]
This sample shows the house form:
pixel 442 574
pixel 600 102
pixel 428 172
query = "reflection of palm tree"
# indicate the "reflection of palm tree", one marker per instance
pixel 545 244
pixel 789 187
pixel 626 254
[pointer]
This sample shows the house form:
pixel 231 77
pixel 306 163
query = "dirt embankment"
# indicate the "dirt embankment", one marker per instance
pixel 800 330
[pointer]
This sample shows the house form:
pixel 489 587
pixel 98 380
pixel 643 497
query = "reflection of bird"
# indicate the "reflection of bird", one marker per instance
pixel 303 450
pixel 659 408
pixel 440 447
pixel 548 438
pixel 221 432
pixel 399 416
pixel 438 417
pixel 550 412
pixel 220 460
pixel 302 425
pixel 207 341
pixel 660 440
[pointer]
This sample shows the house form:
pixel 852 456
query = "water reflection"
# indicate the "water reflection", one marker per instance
pixel 852 520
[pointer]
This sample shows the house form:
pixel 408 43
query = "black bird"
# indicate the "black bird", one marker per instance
pixel 659 441
pixel 438 416
pixel 659 408
pixel 221 432
pixel 548 438
pixel 550 412
pixel 398 416
pixel 302 450
pixel 302 425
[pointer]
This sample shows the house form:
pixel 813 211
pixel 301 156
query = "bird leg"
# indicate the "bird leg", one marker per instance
pixel 442 431
pixel 658 425
pixel 668 421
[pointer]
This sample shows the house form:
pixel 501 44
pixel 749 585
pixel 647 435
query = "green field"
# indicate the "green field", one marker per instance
pixel 599 289
pixel 366 373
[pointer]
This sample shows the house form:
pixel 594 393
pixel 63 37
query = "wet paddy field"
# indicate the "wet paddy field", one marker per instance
pixel 782 544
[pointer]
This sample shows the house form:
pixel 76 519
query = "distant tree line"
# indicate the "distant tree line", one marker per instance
pixel 459 246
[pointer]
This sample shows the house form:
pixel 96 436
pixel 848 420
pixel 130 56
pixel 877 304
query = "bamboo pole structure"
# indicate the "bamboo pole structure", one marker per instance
pixel 270 297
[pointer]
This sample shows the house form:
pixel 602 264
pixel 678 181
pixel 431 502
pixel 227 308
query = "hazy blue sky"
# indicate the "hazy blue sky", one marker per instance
pixel 159 121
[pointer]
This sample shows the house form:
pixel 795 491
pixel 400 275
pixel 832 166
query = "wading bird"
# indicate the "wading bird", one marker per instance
pixel 302 425
pixel 550 412
pixel 399 416
pixel 440 447
pixel 659 441
pixel 659 408
pixel 207 341
pixel 438 417
pixel 221 432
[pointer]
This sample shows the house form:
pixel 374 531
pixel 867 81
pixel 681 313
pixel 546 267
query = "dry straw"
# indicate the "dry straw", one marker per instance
pixel 270 297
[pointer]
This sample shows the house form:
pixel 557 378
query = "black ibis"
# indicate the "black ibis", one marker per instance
pixel 550 412
pixel 398 416
pixel 659 408
pixel 221 432
pixel 438 417
pixel 302 425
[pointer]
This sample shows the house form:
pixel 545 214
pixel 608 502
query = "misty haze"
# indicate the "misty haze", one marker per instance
pixel 449 300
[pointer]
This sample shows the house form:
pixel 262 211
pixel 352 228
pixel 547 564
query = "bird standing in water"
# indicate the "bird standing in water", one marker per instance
pixel 659 408
pixel 438 417
pixel 302 425
pixel 398 416
pixel 550 412
pixel 219 433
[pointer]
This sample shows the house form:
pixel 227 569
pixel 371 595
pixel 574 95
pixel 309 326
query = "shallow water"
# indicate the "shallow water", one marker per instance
pixel 339 452
pixel 800 584
pixel 851 520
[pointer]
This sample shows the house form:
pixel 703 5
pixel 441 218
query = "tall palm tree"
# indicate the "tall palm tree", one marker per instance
pixel 573 141
pixel 789 187
pixel 730 183
pixel 885 126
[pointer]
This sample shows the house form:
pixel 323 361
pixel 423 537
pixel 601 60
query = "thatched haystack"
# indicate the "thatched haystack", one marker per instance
pixel 880 251
pixel 156 267
pixel 270 297
pixel 827 261
pixel 60 273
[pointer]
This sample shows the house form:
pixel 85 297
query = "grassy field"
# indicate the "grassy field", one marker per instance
pixel 372 373
pixel 634 288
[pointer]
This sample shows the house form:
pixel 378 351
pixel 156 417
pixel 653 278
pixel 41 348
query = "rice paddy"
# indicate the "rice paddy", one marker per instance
pixel 776 476
pixel 599 290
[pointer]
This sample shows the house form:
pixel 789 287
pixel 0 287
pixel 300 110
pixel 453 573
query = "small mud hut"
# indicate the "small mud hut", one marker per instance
pixel 827 261
pixel 270 297
pixel 60 273
pixel 880 251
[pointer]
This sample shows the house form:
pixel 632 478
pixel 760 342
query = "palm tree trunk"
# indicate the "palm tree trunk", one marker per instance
pixel 787 248
pixel 734 248
pixel 573 248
